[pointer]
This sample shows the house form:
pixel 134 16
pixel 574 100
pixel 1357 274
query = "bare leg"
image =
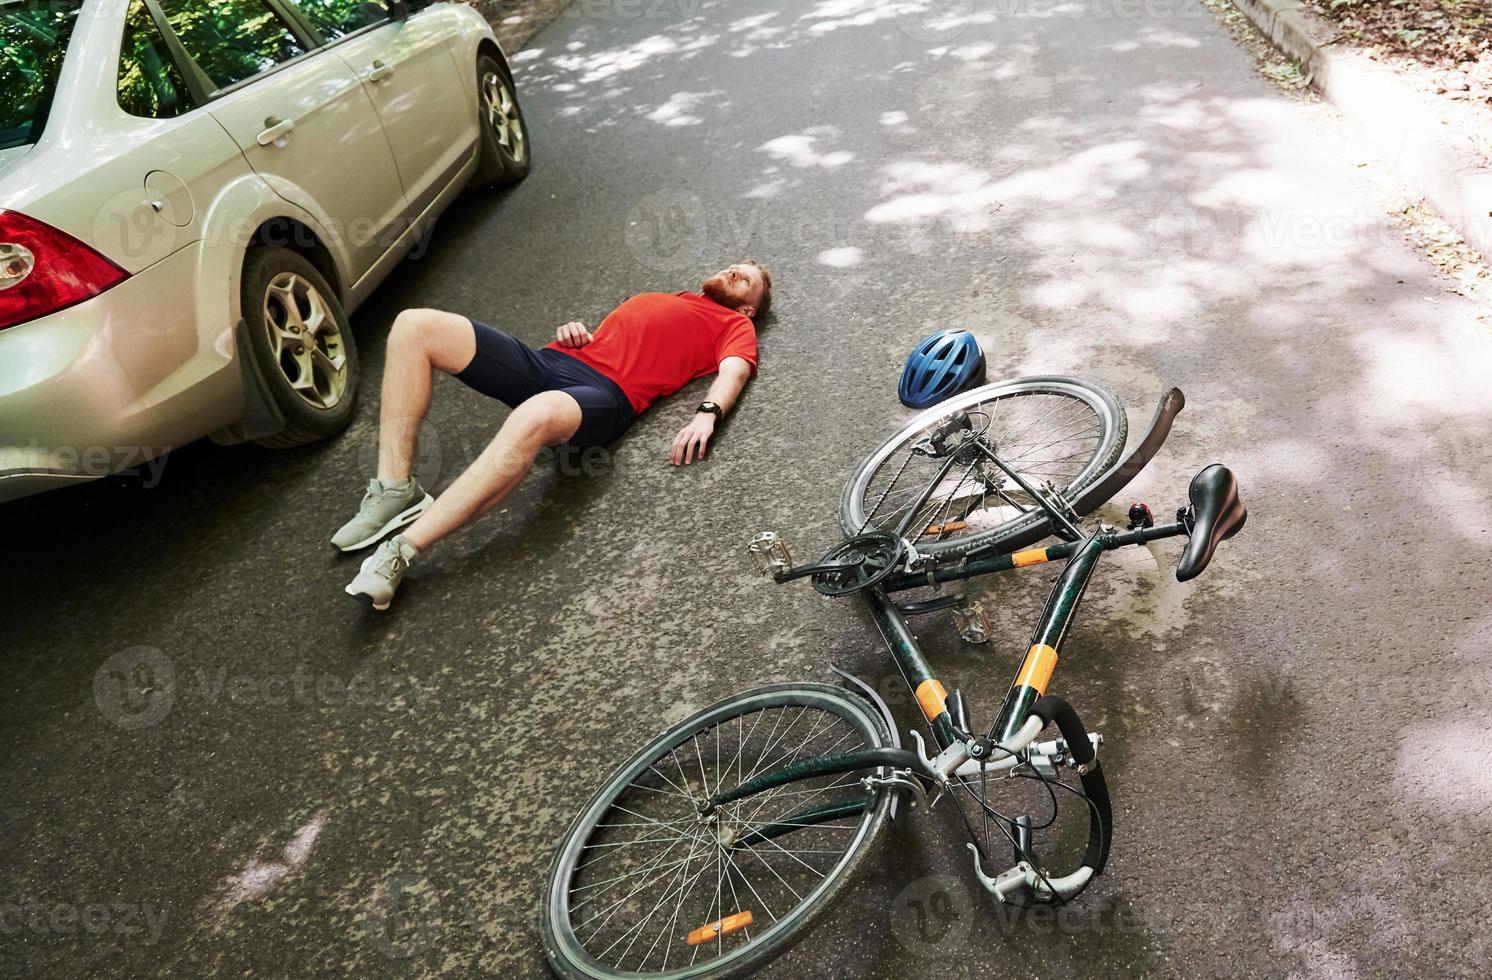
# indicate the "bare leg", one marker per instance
pixel 547 419
pixel 419 341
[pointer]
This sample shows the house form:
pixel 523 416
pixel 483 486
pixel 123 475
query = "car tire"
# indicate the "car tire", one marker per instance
pixel 506 152
pixel 302 345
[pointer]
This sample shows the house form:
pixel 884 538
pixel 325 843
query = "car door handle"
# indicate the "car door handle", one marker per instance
pixel 274 128
pixel 380 71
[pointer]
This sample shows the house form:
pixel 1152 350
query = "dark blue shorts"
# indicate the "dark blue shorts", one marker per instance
pixel 512 372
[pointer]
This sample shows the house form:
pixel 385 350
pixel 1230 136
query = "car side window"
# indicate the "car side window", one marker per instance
pixel 337 18
pixel 231 40
pixel 150 82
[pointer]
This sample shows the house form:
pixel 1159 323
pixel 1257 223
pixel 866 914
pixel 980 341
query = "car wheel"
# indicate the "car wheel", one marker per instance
pixel 504 134
pixel 303 344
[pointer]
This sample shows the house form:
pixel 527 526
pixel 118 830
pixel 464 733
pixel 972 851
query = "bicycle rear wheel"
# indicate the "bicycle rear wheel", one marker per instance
pixel 646 885
pixel 1054 431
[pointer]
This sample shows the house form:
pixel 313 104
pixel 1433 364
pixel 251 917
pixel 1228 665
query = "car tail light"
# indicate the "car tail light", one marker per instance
pixel 43 270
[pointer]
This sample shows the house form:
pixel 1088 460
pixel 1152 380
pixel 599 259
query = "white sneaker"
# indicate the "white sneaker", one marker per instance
pixel 386 507
pixel 381 572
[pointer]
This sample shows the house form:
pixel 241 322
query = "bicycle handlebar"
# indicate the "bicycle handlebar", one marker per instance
pixel 1050 708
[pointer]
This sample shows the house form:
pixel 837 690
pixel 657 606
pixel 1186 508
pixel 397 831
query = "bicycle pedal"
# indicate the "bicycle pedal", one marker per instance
pixel 770 554
pixel 972 622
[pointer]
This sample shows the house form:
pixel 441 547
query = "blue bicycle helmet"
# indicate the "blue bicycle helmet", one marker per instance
pixel 940 366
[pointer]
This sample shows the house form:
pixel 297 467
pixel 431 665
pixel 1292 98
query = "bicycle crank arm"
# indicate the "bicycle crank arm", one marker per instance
pixel 803 571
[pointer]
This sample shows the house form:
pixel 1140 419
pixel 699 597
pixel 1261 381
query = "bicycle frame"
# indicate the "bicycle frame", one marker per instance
pixel 1046 642
pixel 1011 730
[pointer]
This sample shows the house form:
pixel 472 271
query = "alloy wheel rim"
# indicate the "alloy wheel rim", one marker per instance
pixel 501 110
pixel 305 340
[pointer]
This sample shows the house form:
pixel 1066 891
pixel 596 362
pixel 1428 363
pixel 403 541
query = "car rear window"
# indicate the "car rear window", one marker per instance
pixel 150 83
pixel 33 38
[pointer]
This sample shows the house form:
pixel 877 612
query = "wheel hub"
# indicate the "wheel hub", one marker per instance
pixel 501 109
pixel 305 340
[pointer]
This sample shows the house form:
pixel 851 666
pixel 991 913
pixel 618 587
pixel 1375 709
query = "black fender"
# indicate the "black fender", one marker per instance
pixel 261 415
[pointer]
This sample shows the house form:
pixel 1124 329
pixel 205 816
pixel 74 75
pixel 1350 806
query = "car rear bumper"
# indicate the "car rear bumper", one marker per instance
pixel 107 385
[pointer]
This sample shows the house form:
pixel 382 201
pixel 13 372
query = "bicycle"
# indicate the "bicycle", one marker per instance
pixel 723 839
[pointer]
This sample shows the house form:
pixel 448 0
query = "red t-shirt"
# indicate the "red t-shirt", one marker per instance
pixel 656 343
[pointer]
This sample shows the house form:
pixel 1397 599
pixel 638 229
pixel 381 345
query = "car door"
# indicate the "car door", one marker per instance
pixel 301 117
pixel 412 78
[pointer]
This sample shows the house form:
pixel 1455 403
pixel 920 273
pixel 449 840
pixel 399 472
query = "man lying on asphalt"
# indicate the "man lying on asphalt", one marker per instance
pixel 584 389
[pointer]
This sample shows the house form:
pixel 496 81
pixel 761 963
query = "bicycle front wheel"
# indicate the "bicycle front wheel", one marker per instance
pixel 648 884
pixel 1056 432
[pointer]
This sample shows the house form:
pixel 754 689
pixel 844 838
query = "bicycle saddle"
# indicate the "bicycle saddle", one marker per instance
pixel 1216 515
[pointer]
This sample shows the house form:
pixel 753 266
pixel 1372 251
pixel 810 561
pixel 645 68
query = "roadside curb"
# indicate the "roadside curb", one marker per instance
pixel 1402 124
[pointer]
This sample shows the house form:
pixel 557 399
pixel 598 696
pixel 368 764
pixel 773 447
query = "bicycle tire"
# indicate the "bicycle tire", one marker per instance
pixel 1029 527
pixel 561 948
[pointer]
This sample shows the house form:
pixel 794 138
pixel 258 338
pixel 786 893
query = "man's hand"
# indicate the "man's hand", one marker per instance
pixel 573 334
pixel 690 443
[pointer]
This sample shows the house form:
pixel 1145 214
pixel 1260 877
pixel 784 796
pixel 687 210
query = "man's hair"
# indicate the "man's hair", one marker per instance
pixel 766 303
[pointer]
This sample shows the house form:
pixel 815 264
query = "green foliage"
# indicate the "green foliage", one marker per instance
pixel 33 37
pixel 231 39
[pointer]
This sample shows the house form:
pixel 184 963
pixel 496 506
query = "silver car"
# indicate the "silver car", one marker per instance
pixel 194 194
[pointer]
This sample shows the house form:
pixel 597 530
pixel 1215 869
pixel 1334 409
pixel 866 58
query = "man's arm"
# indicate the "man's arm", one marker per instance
pixel 692 439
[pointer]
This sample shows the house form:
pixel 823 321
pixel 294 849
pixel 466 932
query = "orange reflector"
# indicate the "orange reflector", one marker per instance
pixel 1036 556
pixel 1041 660
pixel 932 697
pixel 720 927
pixel 946 526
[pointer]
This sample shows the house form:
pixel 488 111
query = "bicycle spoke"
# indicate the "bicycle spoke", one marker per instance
pixel 610 910
pixel 637 929
pixel 1048 437
pixel 682 790
pixel 753 853
pixel 657 868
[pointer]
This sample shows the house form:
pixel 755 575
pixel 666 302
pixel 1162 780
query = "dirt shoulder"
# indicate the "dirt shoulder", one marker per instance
pixel 1443 46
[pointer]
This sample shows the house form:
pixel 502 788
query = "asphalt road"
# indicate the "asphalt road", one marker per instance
pixel 218 764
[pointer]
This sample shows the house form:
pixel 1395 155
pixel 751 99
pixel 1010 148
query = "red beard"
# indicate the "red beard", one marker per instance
pixel 714 288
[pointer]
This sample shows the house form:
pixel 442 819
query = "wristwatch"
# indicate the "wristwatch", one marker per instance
pixel 712 408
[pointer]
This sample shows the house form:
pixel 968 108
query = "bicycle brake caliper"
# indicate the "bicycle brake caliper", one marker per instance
pixel 943 765
pixel 899 780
